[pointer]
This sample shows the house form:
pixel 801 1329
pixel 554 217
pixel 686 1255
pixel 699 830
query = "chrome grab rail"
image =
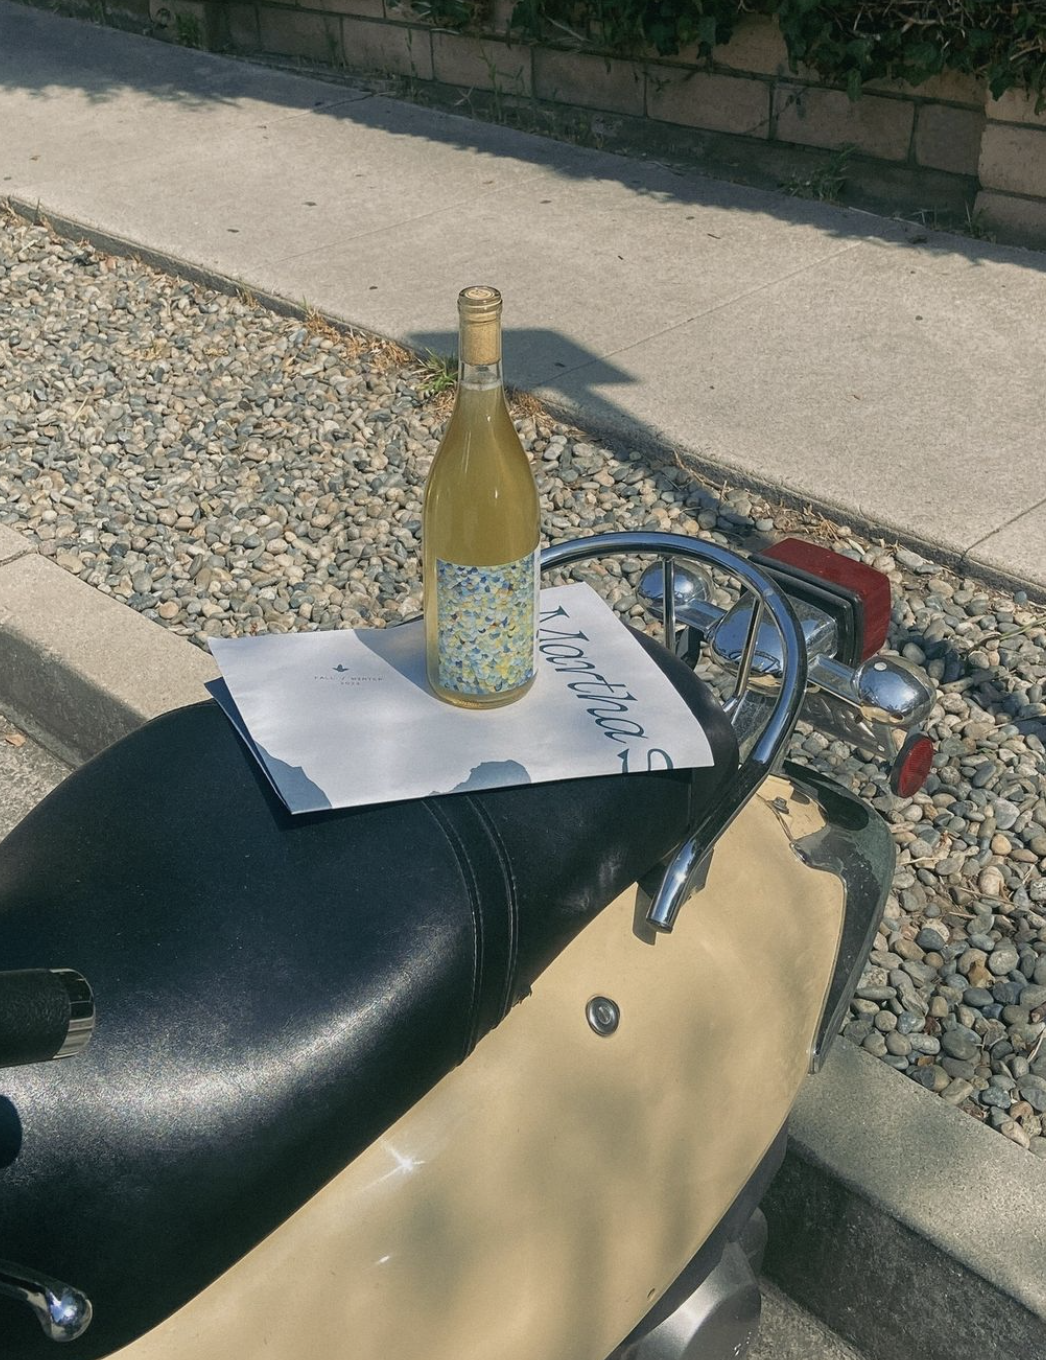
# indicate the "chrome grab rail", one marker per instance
pixel 684 868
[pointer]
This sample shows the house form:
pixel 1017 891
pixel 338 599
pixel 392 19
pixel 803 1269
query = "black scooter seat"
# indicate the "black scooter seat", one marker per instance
pixel 273 992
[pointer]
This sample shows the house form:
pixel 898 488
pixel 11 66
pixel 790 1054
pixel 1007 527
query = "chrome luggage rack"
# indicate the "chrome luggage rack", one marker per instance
pixel 684 868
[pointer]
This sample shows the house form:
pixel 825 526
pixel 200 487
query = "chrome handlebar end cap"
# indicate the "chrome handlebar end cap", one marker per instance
pixel 68 1314
pixel 891 690
pixel 64 1313
pixel 81 1012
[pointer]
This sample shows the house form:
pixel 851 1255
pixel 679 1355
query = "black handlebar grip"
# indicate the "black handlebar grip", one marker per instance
pixel 45 1013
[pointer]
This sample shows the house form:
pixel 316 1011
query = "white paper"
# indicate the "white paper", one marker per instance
pixel 346 718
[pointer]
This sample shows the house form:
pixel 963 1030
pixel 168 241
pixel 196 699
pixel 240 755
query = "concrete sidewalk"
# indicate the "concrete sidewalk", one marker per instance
pixel 887 373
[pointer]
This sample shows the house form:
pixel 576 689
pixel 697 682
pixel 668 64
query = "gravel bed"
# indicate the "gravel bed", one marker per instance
pixel 223 470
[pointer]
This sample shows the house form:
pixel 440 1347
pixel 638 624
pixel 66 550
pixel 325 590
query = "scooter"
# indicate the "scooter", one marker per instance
pixel 482 1077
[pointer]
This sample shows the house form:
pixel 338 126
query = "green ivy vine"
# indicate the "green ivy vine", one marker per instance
pixel 848 42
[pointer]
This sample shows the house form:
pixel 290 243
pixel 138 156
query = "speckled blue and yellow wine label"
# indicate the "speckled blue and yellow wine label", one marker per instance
pixel 486 625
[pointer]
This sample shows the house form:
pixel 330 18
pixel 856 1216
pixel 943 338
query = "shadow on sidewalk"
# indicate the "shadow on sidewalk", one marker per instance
pixel 525 349
pixel 45 55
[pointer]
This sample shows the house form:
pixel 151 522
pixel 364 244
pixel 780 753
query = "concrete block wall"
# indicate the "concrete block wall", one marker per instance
pixel 949 124
pixel 1012 169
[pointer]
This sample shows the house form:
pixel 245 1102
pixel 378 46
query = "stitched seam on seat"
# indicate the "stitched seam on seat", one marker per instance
pixel 452 838
pixel 512 896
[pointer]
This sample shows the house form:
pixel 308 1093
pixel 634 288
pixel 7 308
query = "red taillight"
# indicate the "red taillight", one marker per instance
pixel 912 765
pixel 857 596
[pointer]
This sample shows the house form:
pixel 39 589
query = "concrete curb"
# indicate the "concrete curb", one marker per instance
pixel 79 670
pixel 903 1258
pixel 939 1254
pixel 111 244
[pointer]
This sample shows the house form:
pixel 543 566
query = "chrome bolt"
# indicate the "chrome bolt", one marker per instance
pixel 603 1015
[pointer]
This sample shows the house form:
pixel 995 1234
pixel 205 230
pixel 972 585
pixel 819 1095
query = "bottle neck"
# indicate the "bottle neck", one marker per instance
pixel 479 377
pixel 479 348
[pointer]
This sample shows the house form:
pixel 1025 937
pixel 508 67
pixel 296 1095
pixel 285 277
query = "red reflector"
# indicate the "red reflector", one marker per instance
pixel 912 765
pixel 868 589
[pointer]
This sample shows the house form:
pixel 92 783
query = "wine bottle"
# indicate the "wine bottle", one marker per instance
pixel 480 531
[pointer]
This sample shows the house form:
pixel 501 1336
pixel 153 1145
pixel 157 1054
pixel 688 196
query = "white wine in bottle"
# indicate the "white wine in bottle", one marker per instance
pixel 480 530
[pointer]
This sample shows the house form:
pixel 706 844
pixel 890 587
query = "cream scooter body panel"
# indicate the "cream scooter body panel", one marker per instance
pixel 533 1203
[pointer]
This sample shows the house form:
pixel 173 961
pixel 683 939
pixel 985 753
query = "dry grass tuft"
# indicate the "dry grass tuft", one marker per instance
pixel 380 355
pixel 524 405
